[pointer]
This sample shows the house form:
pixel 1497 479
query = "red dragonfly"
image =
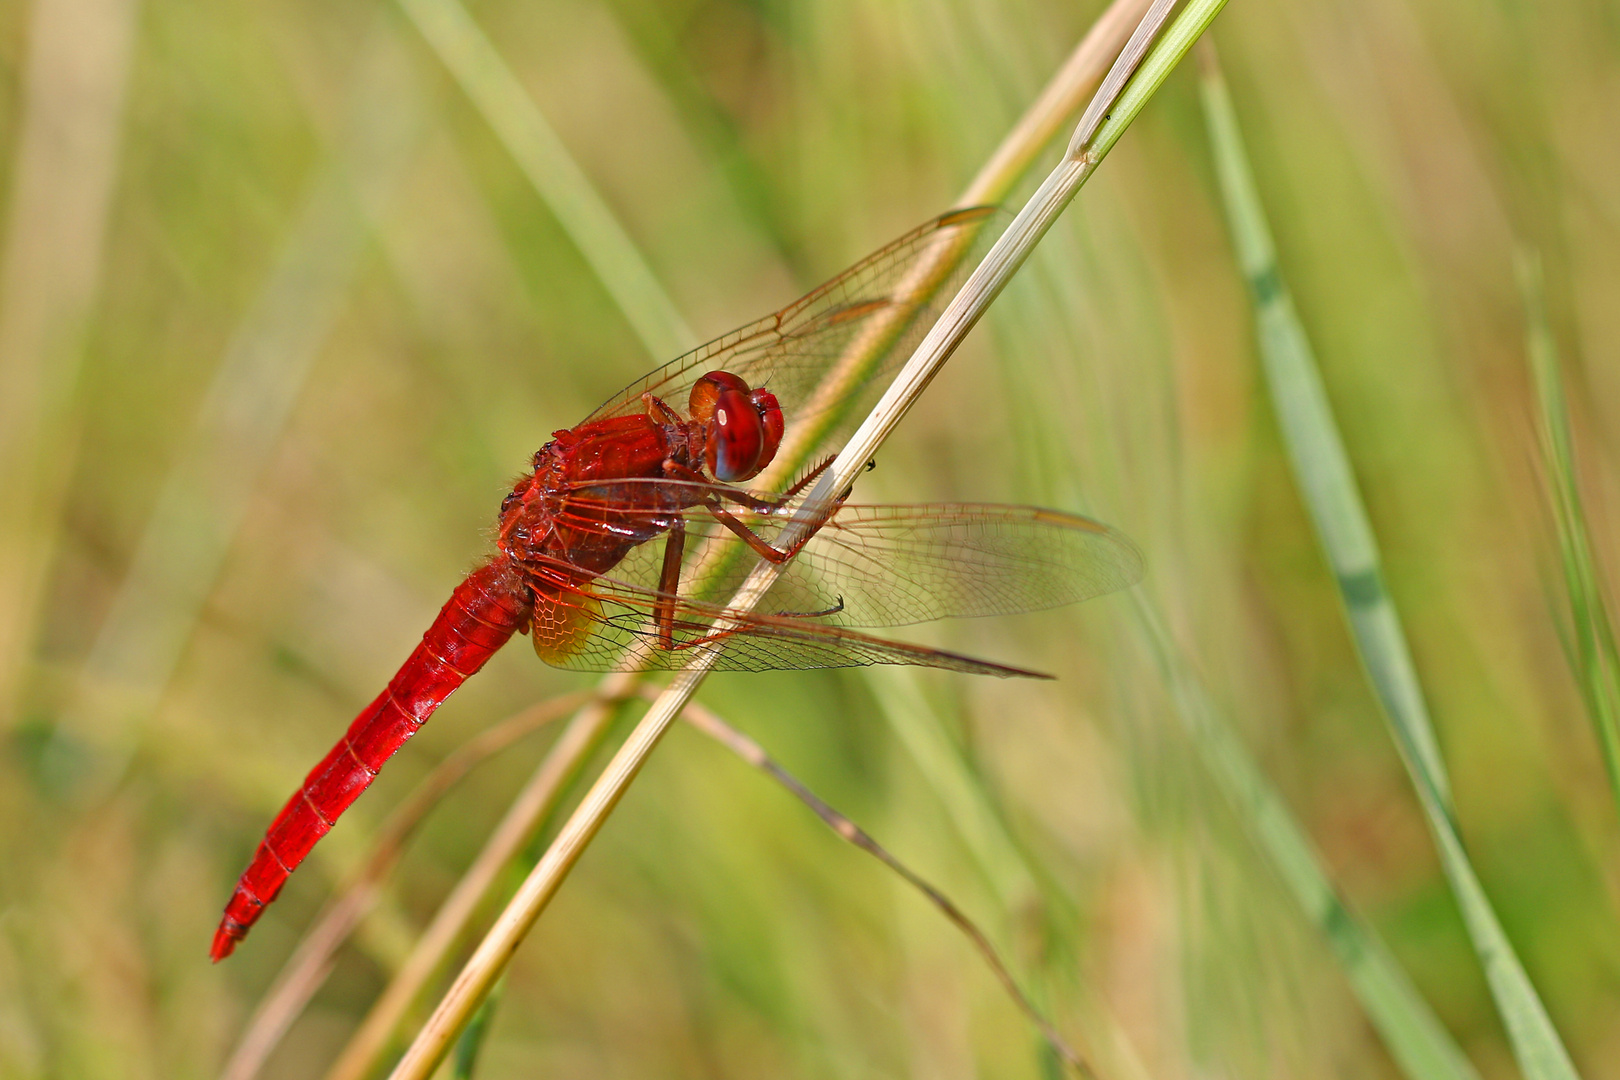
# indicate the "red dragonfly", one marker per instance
pixel 574 568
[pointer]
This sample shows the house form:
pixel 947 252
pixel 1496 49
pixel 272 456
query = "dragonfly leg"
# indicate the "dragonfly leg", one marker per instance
pixel 755 503
pixel 761 547
pixel 831 609
pixel 677 471
pixel 669 583
pixel 718 492
pixel 715 637
pixel 748 499
pixel 798 485
pixel 804 481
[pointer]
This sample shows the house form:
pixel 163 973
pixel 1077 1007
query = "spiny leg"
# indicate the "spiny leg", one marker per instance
pixel 677 471
pixel 804 481
pixel 686 474
pixel 669 583
pixel 749 501
pixel 674 548
pixel 760 546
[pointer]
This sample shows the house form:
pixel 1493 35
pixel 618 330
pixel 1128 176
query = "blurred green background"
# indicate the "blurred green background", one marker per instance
pixel 280 317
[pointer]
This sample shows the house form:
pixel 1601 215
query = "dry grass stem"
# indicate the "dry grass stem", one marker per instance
pixel 515 831
pixel 306 969
pixel 709 723
pixel 288 291
pixel 1076 82
pixel 982 287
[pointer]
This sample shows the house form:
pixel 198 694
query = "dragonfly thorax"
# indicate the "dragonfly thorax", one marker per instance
pixel 595 492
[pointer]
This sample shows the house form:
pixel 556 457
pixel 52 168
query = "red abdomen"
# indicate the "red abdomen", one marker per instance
pixel 481 615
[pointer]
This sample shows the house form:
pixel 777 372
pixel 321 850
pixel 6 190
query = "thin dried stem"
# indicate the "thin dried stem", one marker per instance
pixel 520 825
pixel 1079 77
pixel 982 287
pixel 710 724
pixel 1130 57
pixel 1083 71
pixel 307 968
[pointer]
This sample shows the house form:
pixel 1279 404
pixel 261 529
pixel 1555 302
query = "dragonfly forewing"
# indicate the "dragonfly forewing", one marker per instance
pixel 788 352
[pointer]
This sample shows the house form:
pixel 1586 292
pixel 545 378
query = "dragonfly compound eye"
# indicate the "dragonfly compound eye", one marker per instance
pixel 706 394
pixel 737 437
pixel 770 419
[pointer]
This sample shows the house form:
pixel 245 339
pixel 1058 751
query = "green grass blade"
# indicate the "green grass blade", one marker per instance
pixel 581 211
pixel 1322 470
pixel 1416 1039
pixel 1589 633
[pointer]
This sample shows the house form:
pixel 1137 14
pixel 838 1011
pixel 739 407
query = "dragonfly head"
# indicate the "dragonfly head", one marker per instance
pixel 742 428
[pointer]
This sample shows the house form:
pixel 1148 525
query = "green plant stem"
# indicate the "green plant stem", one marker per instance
pixel 1589 638
pixel 583 214
pixel 1322 470
pixel 1416 1039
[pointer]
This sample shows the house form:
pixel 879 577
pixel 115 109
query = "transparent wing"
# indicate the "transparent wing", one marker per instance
pixel 893 294
pixel 618 621
pixel 895 565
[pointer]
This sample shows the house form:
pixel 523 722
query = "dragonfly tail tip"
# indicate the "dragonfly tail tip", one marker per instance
pixel 224 943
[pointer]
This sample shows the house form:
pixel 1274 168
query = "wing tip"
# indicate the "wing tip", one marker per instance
pixel 1005 671
pixel 969 665
pixel 967 215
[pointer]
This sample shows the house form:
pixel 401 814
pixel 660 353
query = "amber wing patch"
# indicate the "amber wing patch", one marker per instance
pixel 563 624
